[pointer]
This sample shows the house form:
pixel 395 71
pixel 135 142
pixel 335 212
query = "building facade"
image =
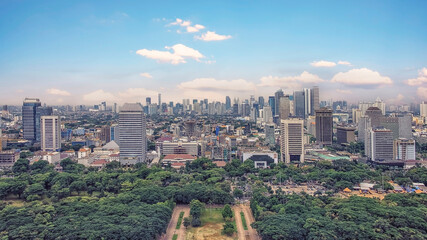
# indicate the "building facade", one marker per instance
pixel 50 133
pixel 292 140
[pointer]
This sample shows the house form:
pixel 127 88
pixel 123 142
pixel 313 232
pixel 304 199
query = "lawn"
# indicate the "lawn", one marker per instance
pixel 212 224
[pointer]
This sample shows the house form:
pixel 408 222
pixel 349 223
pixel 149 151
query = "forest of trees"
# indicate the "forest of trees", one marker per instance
pixel 137 202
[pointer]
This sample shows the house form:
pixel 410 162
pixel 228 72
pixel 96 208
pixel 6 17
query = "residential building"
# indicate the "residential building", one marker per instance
pixel 50 133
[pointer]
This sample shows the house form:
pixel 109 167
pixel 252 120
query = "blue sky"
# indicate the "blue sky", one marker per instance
pixel 77 52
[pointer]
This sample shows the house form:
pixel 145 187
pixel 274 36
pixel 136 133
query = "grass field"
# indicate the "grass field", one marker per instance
pixel 212 225
pixel 245 226
pixel 178 224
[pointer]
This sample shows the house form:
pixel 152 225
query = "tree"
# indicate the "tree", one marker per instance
pixel 187 222
pixel 196 208
pixel 78 186
pixel 227 212
pixel 228 228
pixel 21 166
pixel 34 189
pixel 237 193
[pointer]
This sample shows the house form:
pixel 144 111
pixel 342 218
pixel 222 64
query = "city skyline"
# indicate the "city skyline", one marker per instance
pixel 81 53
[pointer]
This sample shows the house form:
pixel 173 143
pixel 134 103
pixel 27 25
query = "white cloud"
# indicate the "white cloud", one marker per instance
pixel 422 92
pixel 129 95
pixel 98 96
pixel 187 25
pixel 212 36
pixel 212 84
pixel 179 55
pixel 146 75
pixel 344 63
pixel 55 91
pixel 323 63
pixel 361 77
pixel 291 81
pixel 420 80
pixel 135 94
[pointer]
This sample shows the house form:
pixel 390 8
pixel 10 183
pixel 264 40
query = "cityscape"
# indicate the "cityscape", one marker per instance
pixel 183 145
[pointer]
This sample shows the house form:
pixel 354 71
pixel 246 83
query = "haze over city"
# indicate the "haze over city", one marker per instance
pixel 80 52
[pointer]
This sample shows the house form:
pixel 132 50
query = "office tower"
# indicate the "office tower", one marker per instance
pixel 284 107
pixel 277 97
pixel 270 139
pixel 315 98
pixel 147 101
pixel 307 102
pixel 105 135
pixel 379 144
pixel 391 123
pixel 291 140
pixel 160 99
pixel 132 127
pixel 423 109
pixel 103 106
pixel 324 126
pixel 405 126
pixel 362 126
pixel 272 104
pixel 50 129
pixel 227 102
pixel 114 133
pixel 345 135
pixel 29 110
pixel 374 115
pixel 267 114
pixel 261 102
pixel 114 109
pixel 252 100
pixel 404 149
pixel 299 104
pixel 190 128
pixel 41 111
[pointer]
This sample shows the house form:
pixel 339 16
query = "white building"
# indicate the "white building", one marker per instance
pixel 292 140
pixel 50 129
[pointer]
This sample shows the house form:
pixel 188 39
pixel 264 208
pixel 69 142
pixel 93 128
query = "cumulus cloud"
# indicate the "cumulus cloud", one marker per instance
pixel 178 55
pixel 323 63
pixel 361 77
pixel 420 80
pixel 187 25
pixel 291 81
pixel 98 96
pixel 135 94
pixel 146 75
pixel 55 91
pixel 212 36
pixel 422 92
pixel 344 63
pixel 212 84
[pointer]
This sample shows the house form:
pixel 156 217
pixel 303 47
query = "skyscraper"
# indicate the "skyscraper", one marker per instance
pixel 261 102
pixel 272 104
pixel 291 140
pixel 324 126
pixel 160 99
pixel 379 145
pixel 315 99
pixel 277 96
pixel 227 102
pixel 41 111
pixel 29 110
pixel 307 102
pixel 50 129
pixel 285 107
pixel 133 140
pixel 147 101
pixel 269 134
pixel 299 104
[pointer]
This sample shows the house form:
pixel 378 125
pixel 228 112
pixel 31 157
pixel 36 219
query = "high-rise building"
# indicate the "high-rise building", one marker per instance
pixel 291 140
pixel 345 135
pixel 272 104
pixel 50 129
pixel 147 101
pixel 391 123
pixel 405 126
pixel 114 133
pixel 307 102
pixel 324 126
pixel 277 97
pixel 404 149
pixel 423 109
pixel 133 140
pixel 105 135
pixel 29 110
pixel 267 114
pixel 160 99
pixel 299 104
pixel 362 126
pixel 379 144
pixel 114 109
pixel 315 99
pixel 261 102
pixel 270 139
pixel 41 111
pixel 284 107
pixel 227 102
pixel 374 115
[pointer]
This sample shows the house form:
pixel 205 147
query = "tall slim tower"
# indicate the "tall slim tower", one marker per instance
pixel 299 104
pixel 261 102
pixel 29 110
pixel 315 99
pixel 133 140
pixel 292 140
pixel 324 126
pixel 227 102
pixel 272 104
pixel 307 102
pixel 285 107
pixel 160 99
pixel 277 96
pixel 50 129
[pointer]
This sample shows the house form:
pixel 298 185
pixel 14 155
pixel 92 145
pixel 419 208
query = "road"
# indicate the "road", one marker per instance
pixel 172 224
pixel 250 234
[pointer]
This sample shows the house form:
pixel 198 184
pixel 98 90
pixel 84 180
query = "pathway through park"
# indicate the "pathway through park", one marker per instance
pixel 174 220
pixel 250 234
